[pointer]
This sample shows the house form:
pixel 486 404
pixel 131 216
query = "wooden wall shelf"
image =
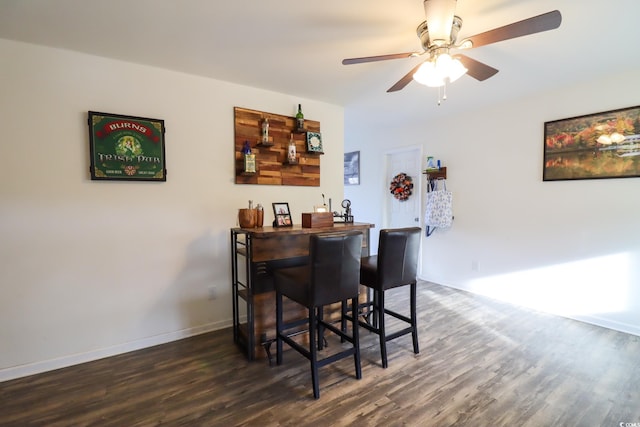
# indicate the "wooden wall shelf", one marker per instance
pixel 272 166
pixel 435 174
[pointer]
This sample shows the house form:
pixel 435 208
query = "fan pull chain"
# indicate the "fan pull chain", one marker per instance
pixel 444 94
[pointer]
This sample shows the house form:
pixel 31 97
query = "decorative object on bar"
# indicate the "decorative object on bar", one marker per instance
pixel 299 120
pixel 282 215
pixel 317 219
pixel 314 142
pixel 323 207
pixel 401 186
pixel 259 215
pixel 247 216
pixel 126 148
pixel 593 146
pixel 346 215
pixel 438 35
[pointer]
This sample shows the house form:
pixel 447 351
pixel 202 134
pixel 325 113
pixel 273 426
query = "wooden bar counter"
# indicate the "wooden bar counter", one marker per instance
pixel 255 253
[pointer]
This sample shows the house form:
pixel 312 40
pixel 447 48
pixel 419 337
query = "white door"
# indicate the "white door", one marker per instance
pixel 404 213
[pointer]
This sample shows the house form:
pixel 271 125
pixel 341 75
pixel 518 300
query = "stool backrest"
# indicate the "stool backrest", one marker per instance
pixel 335 266
pixel 398 251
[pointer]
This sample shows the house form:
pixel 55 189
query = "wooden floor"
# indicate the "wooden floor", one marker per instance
pixel 482 363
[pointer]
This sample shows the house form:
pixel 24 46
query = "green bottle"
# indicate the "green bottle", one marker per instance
pixel 299 119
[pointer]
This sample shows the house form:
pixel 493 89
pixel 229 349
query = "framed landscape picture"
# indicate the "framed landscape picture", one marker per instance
pixel 601 145
pixel 126 148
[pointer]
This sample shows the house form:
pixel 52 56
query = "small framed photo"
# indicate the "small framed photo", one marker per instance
pixel 314 142
pixel 282 215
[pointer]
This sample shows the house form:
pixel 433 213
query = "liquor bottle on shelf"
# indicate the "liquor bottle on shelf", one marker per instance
pixel 299 119
pixel 265 131
pixel 249 158
pixel 291 152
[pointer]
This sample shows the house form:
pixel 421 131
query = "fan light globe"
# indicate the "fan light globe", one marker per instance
pixel 435 73
pixel 456 70
pixel 427 75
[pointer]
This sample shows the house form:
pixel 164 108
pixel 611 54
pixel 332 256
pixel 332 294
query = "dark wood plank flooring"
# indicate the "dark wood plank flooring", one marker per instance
pixel 482 363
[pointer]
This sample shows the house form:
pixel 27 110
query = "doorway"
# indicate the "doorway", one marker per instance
pixel 405 213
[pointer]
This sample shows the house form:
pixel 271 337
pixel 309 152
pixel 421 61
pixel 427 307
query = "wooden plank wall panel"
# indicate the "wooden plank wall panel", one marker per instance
pixel 271 166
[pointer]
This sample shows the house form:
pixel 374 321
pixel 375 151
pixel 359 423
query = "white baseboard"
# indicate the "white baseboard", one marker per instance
pixel 75 359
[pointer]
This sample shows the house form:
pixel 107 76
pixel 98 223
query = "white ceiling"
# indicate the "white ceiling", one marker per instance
pixel 295 47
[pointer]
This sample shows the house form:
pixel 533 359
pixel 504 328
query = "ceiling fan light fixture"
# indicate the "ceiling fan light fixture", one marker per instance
pixel 440 15
pixel 437 71
pixel 456 70
pixel 428 75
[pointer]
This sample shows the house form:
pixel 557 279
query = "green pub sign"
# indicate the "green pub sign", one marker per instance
pixel 126 148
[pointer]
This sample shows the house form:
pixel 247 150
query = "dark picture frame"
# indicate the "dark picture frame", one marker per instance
pixel 282 215
pixel 126 148
pixel 352 168
pixel 593 146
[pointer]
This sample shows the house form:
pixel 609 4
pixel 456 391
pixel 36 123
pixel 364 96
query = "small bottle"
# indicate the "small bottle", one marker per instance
pixel 249 159
pixel 260 215
pixel 291 152
pixel 299 118
pixel 265 131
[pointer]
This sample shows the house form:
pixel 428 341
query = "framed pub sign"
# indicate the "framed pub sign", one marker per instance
pixel 126 148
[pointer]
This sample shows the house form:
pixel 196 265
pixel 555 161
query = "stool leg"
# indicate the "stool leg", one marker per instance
pixel 414 320
pixel 314 352
pixel 356 336
pixel 320 314
pixel 343 320
pixel 381 330
pixel 279 327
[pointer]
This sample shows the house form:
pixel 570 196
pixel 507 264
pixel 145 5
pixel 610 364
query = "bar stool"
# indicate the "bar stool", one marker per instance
pixel 395 265
pixel 332 275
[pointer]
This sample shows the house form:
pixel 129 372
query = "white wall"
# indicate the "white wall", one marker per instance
pixel 570 248
pixel 95 268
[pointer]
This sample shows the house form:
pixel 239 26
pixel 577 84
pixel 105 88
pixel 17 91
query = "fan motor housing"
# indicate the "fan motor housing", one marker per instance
pixel 423 34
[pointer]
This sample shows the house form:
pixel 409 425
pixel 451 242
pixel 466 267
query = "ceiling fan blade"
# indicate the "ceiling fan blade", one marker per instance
pixel 405 80
pixel 349 61
pixel 537 24
pixel 476 69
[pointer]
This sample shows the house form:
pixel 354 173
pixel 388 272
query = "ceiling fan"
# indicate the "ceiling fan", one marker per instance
pixel 438 35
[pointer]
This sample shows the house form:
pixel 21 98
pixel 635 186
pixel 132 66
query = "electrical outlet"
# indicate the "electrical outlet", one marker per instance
pixel 212 292
pixel 475 265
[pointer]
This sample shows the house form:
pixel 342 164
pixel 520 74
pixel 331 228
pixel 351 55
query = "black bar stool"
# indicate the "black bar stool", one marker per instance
pixel 395 265
pixel 332 275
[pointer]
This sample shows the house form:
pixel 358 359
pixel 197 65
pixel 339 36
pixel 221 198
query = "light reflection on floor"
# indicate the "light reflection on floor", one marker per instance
pixel 577 288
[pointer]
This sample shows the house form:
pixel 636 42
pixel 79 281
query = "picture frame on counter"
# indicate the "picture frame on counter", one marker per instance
pixel 282 215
